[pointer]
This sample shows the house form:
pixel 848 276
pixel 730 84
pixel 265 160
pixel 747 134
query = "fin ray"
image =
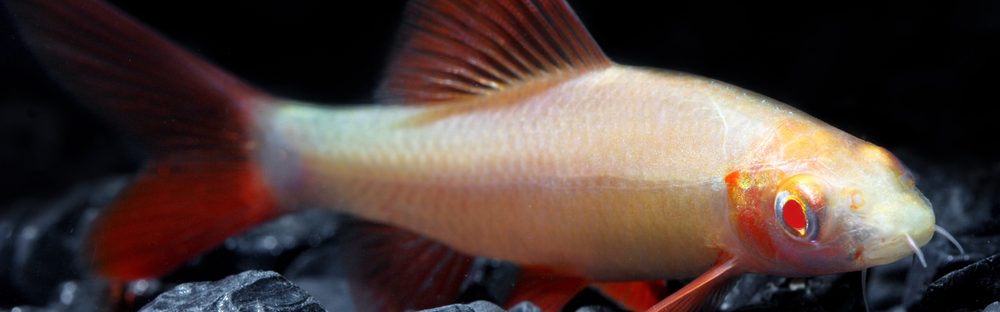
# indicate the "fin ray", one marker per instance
pixel 545 288
pixel 392 269
pixel 704 291
pixel 458 49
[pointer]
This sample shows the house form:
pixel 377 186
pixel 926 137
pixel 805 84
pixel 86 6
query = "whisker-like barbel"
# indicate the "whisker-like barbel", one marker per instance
pixel 916 250
pixel 864 288
pixel 949 237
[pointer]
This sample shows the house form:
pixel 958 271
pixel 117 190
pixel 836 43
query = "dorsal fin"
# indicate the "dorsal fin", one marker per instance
pixel 452 49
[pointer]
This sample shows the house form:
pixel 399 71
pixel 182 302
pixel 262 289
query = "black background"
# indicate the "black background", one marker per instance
pixel 916 78
pixel 919 79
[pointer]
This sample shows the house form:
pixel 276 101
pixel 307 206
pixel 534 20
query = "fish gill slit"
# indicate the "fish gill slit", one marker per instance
pixel 949 237
pixel 916 250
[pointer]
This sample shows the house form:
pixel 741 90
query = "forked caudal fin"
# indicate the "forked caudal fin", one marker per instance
pixel 201 185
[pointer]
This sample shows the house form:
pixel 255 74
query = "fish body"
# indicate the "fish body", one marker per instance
pixel 599 152
pixel 600 149
pixel 502 132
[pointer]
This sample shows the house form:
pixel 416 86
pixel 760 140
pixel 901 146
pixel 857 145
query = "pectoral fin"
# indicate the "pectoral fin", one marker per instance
pixel 705 291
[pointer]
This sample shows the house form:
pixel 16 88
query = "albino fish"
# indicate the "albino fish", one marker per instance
pixel 502 131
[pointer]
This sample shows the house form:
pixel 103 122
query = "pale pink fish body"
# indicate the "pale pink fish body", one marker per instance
pixel 615 174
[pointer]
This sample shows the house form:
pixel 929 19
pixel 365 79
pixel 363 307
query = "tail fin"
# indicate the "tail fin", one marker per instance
pixel 201 185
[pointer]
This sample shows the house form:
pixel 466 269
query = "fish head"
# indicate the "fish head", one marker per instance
pixel 820 201
pixel 888 216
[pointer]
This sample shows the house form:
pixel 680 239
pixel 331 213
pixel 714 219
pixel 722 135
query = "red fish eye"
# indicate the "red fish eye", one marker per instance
pixel 798 207
pixel 794 215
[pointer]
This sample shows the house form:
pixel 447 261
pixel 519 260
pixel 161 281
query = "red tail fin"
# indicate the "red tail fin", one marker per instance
pixel 201 185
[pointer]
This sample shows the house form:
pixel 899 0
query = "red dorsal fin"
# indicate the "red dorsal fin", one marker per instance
pixel 451 50
pixel 704 292
pixel 392 269
pixel 201 184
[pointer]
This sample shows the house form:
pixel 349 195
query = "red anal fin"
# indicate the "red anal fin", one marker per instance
pixel 392 269
pixel 544 288
pixel 704 292
pixel 635 296
pixel 457 49
pixel 201 184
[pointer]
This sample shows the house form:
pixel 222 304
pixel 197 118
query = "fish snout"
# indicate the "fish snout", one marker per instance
pixel 897 230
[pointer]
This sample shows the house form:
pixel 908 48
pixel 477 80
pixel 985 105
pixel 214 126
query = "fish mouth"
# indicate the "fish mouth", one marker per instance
pixel 896 247
pixel 896 229
pixel 887 251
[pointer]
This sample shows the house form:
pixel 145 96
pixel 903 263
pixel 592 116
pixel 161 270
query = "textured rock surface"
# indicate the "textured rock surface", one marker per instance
pixel 316 271
pixel 993 307
pixel 476 306
pixel 971 287
pixel 525 307
pixel 40 241
pixel 247 291
pixel 270 246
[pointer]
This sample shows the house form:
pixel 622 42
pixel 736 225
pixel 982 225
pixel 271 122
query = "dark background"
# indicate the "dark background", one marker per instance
pixel 919 79
pixel 916 78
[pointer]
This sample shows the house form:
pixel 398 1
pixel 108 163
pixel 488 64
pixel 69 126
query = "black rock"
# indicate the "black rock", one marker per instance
pixel 749 290
pixel 490 280
pixel 943 259
pixel 841 292
pixel 972 287
pixel 317 271
pixel 597 308
pixel 965 202
pixel 247 291
pixel 42 241
pixel 75 296
pixel 271 246
pixel 476 306
pixel 299 230
pixel 525 307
